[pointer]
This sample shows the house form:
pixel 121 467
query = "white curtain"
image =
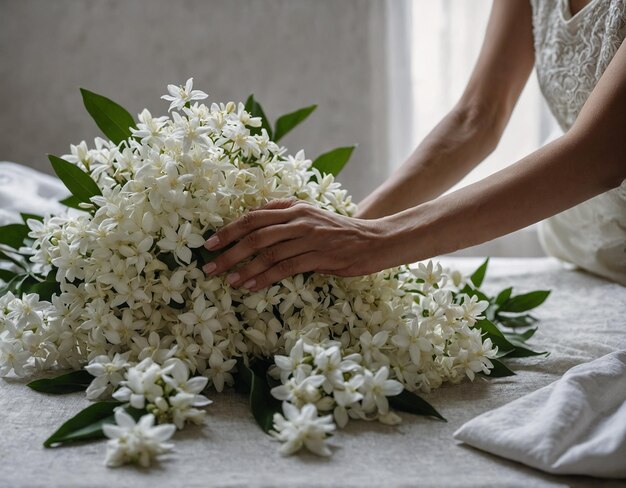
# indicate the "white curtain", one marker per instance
pixel 445 37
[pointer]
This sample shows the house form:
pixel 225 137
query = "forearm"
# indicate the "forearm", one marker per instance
pixel 456 145
pixel 552 179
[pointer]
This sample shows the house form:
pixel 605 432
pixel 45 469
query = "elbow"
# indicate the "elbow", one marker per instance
pixel 485 121
pixel 603 151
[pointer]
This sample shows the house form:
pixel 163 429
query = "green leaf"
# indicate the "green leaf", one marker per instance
pixel 522 303
pixel 66 383
pixel 262 403
pixel 411 403
pixel 468 290
pixel 87 424
pixel 523 337
pixel 289 121
pixel 13 235
pixel 112 119
pixel 18 262
pixel 45 289
pixel 243 378
pixel 333 161
pixel 515 321
pixel 255 110
pixel 479 275
pixel 507 347
pixel 79 183
pixel 503 296
pixel 26 216
pixel 7 275
pixel 72 202
pixel 19 284
pixel 500 370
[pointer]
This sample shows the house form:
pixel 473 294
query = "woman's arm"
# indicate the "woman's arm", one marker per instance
pixel 289 238
pixel 589 159
pixel 474 126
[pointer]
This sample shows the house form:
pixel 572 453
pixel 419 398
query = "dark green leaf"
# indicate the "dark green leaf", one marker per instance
pixel 19 284
pixel 472 292
pixel 45 289
pixel 506 347
pixel 411 403
pixel 6 275
pixel 333 161
pixel 26 216
pixel 13 235
pixel 522 303
pixel 243 378
pixel 504 295
pixel 287 122
pixel 72 202
pixel 66 383
pixel 79 183
pixel 523 337
pixel 255 110
pixel 112 119
pixel 479 275
pixel 515 321
pixel 7 257
pixel 500 370
pixel 87 424
pixel 262 403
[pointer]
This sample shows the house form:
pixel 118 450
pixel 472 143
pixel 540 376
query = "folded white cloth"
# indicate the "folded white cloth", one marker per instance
pixel 24 189
pixel 576 425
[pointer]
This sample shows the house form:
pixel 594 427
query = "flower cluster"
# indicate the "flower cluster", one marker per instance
pixel 136 310
pixel 136 442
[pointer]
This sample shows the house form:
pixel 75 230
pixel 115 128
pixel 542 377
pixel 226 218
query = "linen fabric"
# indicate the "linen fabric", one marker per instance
pixel 576 425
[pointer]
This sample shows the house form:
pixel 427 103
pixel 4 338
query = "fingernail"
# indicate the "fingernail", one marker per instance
pixel 212 242
pixel 209 267
pixel 232 278
pixel 249 283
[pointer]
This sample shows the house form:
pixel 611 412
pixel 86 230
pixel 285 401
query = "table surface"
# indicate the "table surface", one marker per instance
pixel 583 319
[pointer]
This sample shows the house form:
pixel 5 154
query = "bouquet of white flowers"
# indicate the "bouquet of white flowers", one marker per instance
pixel 114 290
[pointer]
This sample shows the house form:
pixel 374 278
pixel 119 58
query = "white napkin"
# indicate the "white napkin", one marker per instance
pixel 576 425
pixel 24 189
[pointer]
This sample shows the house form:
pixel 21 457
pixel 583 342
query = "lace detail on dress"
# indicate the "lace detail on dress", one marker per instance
pixel 571 53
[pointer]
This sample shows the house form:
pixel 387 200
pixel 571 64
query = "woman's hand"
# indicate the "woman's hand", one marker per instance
pixel 287 237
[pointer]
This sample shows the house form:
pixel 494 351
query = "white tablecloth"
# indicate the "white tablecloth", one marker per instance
pixel 583 319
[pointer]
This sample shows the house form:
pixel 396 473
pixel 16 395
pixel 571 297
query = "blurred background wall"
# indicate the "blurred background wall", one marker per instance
pixel 382 72
pixel 289 53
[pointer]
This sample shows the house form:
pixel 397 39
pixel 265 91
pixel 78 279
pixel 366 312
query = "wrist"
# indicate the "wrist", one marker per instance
pixel 409 236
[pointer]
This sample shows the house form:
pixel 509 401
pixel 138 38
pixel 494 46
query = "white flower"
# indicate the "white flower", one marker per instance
pixel 302 427
pixel 431 273
pixel 142 383
pixel 376 388
pixel 108 373
pixel 13 357
pixel 136 442
pixel 179 95
pixel 219 371
pixel 27 311
pixel 300 389
pixel 180 242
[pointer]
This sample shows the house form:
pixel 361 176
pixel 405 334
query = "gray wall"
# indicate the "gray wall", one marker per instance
pixel 290 53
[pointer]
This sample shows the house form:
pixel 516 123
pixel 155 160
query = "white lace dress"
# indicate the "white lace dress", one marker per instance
pixel 571 54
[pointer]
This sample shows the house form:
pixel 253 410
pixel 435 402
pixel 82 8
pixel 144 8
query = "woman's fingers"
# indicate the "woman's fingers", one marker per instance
pixel 284 269
pixel 266 259
pixel 251 244
pixel 275 212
